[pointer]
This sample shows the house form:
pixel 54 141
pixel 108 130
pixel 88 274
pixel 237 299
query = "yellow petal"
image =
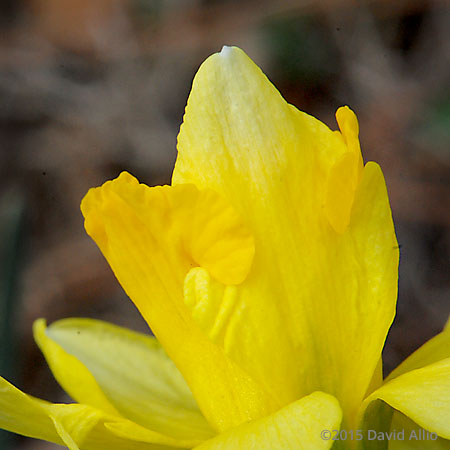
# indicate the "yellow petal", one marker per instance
pixel 434 350
pixel 79 427
pixel 297 426
pixel 70 373
pixel 422 394
pixel 345 174
pixel 409 436
pixel 151 238
pixel 341 186
pixel 348 124
pixel 130 370
pixel 447 325
pixel 315 309
pixel 24 415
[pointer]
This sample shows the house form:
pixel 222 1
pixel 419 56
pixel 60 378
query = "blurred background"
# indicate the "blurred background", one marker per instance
pixel 89 88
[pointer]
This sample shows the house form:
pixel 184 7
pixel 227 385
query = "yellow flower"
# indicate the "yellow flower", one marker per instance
pixel 268 274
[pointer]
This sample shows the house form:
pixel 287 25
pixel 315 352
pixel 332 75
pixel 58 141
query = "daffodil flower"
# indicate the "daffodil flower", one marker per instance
pixel 267 271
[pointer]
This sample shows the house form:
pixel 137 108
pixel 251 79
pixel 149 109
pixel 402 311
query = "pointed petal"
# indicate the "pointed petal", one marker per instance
pixel 324 278
pixel 151 238
pixel 24 415
pixel 434 350
pixel 297 426
pixel 129 370
pixel 422 394
pixel 345 174
pixel 447 325
pixel 70 373
pixel 348 124
pixel 79 427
